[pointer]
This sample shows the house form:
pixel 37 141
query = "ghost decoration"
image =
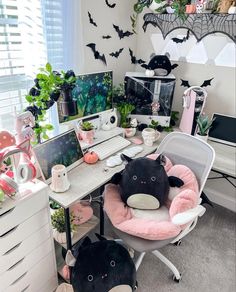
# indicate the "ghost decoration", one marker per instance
pixel 60 182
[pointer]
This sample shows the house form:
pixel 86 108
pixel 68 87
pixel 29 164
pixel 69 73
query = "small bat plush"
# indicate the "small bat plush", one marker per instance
pixel 206 83
pixel 184 39
pixel 121 33
pixel 117 53
pixel 91 19
pixel 97 55
pixel 106 37
pixel 134 60
pixel 110 5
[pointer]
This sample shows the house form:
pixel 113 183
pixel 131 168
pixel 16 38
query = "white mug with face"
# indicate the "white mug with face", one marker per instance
pixel 60 182
pixel 150 136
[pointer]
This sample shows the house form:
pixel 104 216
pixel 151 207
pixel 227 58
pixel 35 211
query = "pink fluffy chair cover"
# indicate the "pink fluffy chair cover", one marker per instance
pixel 181 199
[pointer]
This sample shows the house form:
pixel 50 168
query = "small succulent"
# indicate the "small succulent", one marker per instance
pixel 204 124
pixel 86 126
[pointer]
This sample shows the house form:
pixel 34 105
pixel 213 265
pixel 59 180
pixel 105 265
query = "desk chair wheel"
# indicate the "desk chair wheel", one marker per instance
pixel 177 243
pixel 177 280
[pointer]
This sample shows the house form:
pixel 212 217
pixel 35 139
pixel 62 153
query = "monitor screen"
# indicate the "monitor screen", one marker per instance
pixel 63 149
pixel 223 129
pixel 92 94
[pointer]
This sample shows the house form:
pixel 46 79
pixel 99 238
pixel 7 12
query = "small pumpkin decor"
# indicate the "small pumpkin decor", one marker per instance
pixel 91 157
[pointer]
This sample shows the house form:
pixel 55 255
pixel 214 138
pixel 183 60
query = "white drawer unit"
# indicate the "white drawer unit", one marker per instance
pixel 27 256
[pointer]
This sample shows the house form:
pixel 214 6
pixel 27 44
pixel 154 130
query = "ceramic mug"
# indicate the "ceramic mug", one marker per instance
pixel 149 136
pixel 60 181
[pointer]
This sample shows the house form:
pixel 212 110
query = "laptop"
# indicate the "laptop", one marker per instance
pixel 63 149
pixel 223 129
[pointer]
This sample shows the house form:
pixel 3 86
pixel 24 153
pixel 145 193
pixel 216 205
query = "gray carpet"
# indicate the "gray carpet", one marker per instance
pixel 206 258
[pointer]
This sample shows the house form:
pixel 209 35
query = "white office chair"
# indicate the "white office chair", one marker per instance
pixel 199 156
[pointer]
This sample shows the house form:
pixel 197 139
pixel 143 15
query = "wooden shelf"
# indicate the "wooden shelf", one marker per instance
pixel 200 24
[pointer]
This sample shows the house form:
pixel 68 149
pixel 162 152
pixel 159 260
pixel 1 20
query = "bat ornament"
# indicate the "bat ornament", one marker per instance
pixel 121 33
pixel 110 5
pixel 91 19
pixel 134 60
pixel 97 55
pixel 117 53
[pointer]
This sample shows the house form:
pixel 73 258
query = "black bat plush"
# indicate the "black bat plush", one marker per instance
pixel 121 33
pixel 106 37
pixel 184 39
pixel 91 19
pixel 206 83
pixel 134 60
pixel 97 55
pixel 110 5
pixel 117 53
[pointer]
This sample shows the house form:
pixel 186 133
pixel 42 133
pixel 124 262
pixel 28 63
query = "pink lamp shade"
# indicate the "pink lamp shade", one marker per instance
pixel 81 212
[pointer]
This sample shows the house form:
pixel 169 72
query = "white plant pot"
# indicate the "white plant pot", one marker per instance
pixel 155 5
pixel 60 237
pixel 129 132
pixel 203 138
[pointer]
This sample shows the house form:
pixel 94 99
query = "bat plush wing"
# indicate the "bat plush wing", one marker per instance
pixel 185 83
pixel 117 53
pixel 91 19
pixel 207 82
pixel 121 33
pixel 97 55
pixel 110 5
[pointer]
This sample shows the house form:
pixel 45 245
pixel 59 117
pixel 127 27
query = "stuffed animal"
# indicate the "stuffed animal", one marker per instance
pixel 159 65
pixel 103 265
pixel 144 183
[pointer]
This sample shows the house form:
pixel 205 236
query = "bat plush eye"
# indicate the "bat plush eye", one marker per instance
pixel 112 263
pixel 153 178
pixel 90 278
pixel 135 177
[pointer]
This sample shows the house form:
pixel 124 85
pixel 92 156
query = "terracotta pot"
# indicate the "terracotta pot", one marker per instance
pixel 60 237
pixel 87 136
pixel 191 8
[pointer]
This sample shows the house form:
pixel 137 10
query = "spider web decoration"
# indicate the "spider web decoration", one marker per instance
pixel 200 25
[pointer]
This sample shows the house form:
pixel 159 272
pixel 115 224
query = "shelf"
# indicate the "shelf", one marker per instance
pixel 83 229
pixel 200 24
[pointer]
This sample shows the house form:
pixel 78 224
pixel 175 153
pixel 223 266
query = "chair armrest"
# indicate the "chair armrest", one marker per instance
pixel 188 216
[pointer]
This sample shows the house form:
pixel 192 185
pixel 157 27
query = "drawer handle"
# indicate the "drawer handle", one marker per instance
pixel 22 276
pixel 13 248
pixel 7 212
pixel 17 263
pixel 9 231
pixel 26 288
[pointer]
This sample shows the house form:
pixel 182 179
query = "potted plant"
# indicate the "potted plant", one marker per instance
pixel 87 132
pixel 59 225
pixel 118 93
pixel 53 206
pixel 203 126
pixel 129 128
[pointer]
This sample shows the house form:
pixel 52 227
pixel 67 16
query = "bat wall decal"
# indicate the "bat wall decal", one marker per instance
pixel 97 55
pixel 134 60
pixel 110 5
pixel 206 83
pixel 117 53
pixel 121 33
pixel 91 19
pixel 184 39
pixel 106 37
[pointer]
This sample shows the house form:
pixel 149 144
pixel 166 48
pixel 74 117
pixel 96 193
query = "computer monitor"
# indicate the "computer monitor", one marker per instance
pixel 92 94
pixel 63 149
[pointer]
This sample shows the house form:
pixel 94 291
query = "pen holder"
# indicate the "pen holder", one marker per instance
pixel 60 181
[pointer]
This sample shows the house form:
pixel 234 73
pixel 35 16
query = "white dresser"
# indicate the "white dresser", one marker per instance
pixel 27 257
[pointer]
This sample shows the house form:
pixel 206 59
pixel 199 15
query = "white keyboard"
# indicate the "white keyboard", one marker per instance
pixel 111 146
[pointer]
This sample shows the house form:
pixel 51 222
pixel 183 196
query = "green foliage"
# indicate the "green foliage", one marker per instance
pixel 53 205
pixel 86 126
pixel 58 220
pixel 153 124
pixel 204 124
pixel 124 109
pixel 179 6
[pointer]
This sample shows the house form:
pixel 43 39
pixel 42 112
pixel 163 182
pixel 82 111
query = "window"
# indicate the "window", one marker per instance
pixel 31 33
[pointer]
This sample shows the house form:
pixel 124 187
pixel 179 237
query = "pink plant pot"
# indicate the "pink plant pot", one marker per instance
pixel 87 136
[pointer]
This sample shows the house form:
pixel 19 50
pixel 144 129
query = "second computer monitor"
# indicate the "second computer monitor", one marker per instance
pixel 92 94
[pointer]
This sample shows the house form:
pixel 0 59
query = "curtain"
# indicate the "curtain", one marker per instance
pixel 33 32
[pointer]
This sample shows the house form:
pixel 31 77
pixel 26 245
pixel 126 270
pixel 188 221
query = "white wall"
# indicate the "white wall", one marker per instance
pixel 105 17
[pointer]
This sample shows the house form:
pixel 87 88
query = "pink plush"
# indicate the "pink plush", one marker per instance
pixel 81 213
pixel 183 198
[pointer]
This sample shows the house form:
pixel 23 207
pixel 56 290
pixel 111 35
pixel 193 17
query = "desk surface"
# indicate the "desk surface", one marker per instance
pixel 86 178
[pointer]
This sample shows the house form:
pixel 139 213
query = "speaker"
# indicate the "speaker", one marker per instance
pixel 109 120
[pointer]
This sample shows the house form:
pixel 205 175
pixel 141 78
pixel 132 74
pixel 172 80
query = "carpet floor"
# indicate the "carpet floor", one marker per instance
pixel 206 258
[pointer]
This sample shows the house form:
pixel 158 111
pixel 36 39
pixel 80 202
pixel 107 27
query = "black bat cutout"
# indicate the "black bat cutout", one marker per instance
pixel 206 83
pixel 97 55
pixel 184 39
pixel 110 5
pixel 134 60
pixel 121 33
pixel 91 19
pixel 117 53
pixel 106 37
